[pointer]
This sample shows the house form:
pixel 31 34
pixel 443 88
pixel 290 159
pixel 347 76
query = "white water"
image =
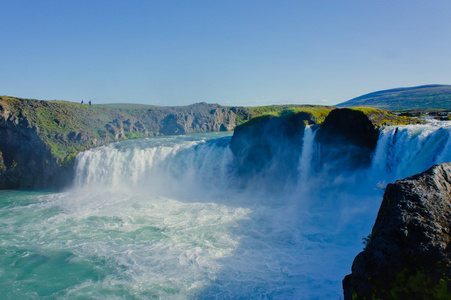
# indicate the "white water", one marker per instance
pixel 166 218
pixel 404 151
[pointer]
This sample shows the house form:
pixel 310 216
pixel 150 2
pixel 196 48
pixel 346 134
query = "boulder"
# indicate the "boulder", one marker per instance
pixel 408 253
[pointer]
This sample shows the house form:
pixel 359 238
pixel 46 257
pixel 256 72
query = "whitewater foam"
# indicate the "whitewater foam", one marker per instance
pixel 166 218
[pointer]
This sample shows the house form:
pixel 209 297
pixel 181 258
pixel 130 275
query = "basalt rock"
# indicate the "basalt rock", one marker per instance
pixel 408 254
pixel 270 145
pixel 346 140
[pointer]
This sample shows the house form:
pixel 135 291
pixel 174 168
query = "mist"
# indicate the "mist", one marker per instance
pixel 174 217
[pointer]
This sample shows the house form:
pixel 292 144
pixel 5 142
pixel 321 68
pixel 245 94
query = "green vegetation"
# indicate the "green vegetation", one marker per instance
pixel 245 114
pixel 409 284
pixel 67 128
pixel 318 113
pixel 381 117
pixel 421 97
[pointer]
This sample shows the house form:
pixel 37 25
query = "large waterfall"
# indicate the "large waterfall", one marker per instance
pixel 169 218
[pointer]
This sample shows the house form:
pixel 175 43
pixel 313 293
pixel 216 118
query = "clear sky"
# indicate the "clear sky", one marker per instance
pixel 231 52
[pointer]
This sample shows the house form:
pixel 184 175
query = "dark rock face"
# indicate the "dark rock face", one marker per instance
pixel 271 145
pixel 408 254
pixel 199 117
pixel 347 139
pixel 25 160
pixel 42 156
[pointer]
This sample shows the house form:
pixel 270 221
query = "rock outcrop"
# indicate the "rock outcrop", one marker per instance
pixel 408 254
pixel 270 145
pixel 346 140
pixel 26 161
pixel 40 139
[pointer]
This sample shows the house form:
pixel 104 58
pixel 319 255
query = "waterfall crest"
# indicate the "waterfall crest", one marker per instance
pixel 156 162
pixel 406 150
pixel 152 163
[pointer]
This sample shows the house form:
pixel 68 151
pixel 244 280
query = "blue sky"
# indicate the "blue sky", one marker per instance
pixel 228 52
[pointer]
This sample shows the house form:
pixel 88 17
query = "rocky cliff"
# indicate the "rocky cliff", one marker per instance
pixel 346 141
pixel 40 139
pixel 25 160
pixel 408 254
pixel 272 144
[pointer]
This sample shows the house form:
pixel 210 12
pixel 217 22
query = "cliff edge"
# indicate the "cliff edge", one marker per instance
pixel 408 253
pixel 346 140
pixel 39 140
pixel 271 145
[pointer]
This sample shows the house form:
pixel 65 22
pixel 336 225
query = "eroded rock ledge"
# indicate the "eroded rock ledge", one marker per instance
pixel 408 254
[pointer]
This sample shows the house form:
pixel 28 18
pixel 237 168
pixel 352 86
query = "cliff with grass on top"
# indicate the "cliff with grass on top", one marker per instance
pixel 271 144
pixel 39 140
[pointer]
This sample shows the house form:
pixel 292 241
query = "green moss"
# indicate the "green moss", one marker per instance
pixel 133 135
pixel 69 159
pixel 419 284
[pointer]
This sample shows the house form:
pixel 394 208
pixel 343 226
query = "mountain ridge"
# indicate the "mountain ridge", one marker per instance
pixel 423 97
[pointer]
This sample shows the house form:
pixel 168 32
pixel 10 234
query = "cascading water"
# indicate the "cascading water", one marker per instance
pixel 404 151
pixel 167 218
pixel 307 154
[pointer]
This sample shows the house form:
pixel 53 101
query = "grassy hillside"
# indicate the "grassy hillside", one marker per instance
pixel 421 97
pixel 40 139
pixel 67 128
pixel 382 117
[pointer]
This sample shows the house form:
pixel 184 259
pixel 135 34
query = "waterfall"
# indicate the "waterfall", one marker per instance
pixel 170 218
pixel 308 149
pixel 156 162
pixel 193 162
pixel 405 150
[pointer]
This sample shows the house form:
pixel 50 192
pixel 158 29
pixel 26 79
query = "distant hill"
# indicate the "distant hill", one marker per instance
pixel 420 97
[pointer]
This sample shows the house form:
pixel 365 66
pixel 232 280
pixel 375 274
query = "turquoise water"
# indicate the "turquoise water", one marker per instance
pixel 166 218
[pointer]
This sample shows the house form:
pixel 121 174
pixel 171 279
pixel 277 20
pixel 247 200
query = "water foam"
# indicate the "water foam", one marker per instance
pixel 166 218
pixel 406 150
